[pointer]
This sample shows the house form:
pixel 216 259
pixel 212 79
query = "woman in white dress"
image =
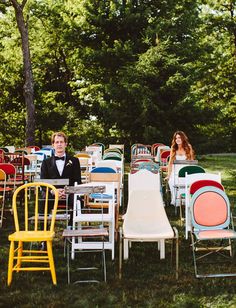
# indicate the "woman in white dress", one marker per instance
pixel 181 149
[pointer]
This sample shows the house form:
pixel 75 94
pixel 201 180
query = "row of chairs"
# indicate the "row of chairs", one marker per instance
pixel 109 202
pixel 208 218
pixel 190 179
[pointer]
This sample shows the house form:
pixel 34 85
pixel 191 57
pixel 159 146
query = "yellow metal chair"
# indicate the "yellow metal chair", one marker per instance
pixel 27 232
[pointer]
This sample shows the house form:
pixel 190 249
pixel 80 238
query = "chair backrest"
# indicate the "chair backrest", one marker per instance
pixel 83 155
pixel 47 151
pixel 23 151
pixel 107 163
pixel 117 146
pixel 100 145
pixel 108 178
pixel 2 175
pixel 9 169
pixel 145 213
pixel 210 209
pixel 3 190
pixel 113 150
pixel 150 166
pixel 33 148
pixel 155 147
pixel 19 208
pixel 103 170
pixel 5 150
pixel 190 170
pixel 85 167
pixel 160 150
pixel 112 157
pixel 104 177
pixel 33 159
pixel 139 149
pixel 202 183
pixel 191 178
pixel 141 160
pixel 143 180
pixel 9 148
pixel 112 154
pixel 164 156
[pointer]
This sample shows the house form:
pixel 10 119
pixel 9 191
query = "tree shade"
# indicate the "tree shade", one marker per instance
pixel 123 71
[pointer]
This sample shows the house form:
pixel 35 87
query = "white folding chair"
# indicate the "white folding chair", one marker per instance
pixel 91 216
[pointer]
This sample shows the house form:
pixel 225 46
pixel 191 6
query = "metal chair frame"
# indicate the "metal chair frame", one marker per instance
pixel 216 230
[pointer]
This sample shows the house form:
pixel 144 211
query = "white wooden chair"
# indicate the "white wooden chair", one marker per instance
pixel 92 215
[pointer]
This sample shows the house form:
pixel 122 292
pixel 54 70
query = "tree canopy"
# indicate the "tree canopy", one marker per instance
pixel 122 71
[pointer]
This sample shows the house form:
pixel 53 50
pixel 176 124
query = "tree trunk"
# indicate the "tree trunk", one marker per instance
pixel 28 89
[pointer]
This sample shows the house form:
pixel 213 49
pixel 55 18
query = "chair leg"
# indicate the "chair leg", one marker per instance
pixel 194 255
pixel 104 262
pixel 126 249
pixel 117 222
pixel 120 254
pixel 19 254
pixel 177 257
pixel 10 263
pixel 51 262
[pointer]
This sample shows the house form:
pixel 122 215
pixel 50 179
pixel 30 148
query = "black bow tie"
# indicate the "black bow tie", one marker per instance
pixel 58 158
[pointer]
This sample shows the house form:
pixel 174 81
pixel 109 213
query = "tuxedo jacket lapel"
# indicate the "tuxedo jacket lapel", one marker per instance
pixel 65 169
pixel 55 167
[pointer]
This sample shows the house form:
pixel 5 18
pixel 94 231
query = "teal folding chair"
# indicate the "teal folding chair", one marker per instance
pixel 212 230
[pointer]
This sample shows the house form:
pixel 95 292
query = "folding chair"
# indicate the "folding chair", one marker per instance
pixel 212 228
pixel 180 181
pixel 89 233
pixel 192 183
pixel 11 185
pixel 112 182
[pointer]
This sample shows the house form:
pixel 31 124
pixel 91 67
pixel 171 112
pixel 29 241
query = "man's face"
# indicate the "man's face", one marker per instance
pixel 59 145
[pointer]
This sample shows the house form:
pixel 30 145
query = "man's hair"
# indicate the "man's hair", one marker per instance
pixel 59 134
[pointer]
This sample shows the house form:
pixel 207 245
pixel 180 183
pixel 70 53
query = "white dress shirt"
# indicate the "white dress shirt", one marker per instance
pixel 60 165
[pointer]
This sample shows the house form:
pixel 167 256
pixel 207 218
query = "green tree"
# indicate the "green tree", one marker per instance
pixel 28 88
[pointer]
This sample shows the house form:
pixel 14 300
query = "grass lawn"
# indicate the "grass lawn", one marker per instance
pixel 147 281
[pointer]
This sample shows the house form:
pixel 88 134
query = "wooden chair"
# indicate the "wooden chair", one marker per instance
pixel 26 233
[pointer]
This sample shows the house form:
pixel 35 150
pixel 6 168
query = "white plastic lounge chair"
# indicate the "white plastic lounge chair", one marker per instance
pixel 144 180
pixel 146 221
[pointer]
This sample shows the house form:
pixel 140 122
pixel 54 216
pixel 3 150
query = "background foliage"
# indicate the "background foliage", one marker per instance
pixel 123 71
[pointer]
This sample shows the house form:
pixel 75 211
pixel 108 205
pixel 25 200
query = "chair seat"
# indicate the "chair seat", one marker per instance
pixel 85 232
pixel 164 233
pixel 215 234
pixel 31 236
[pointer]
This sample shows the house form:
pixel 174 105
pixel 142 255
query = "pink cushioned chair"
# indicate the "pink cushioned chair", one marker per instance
pixel 211 233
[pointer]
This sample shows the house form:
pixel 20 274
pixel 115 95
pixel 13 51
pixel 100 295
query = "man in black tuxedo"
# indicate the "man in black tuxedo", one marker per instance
pixel 61 166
